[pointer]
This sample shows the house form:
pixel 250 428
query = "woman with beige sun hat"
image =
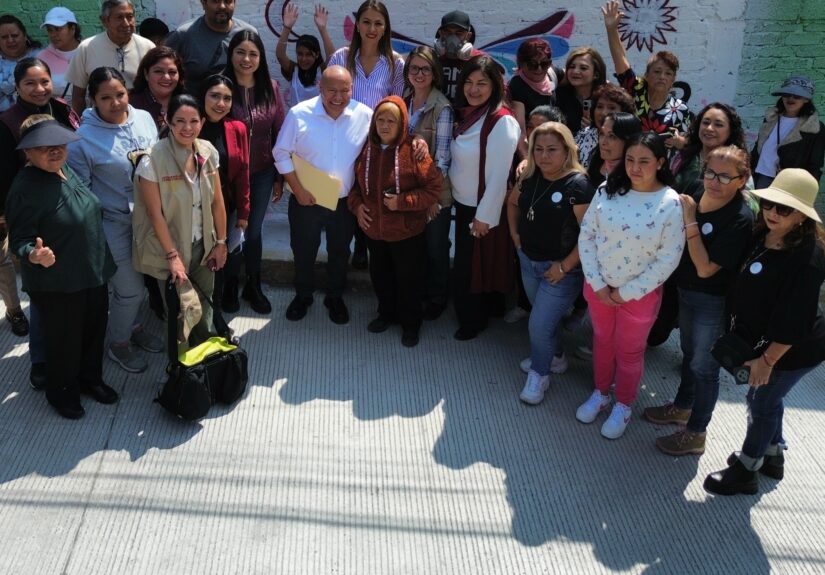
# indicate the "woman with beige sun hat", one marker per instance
pixel 774 306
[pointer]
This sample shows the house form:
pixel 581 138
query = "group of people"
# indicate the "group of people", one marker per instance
pixel 584 196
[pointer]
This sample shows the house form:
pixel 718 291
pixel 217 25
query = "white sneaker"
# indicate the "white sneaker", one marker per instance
pixel 595 404
pixel 516 314
pixel 614 426
pixel 534 388
pixel 558 365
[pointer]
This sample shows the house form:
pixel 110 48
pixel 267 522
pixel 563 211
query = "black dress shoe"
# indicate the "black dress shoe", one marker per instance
pixel 66 404
pixel 297 308
pixel 229 298
pixel 379 325
pixel 37 376
pixel 409 338
pixel 100 392
pixel 465 333
pixel 433 310
pixel 773 466
pixel 731 481
pixel 338 311
pixel 253 293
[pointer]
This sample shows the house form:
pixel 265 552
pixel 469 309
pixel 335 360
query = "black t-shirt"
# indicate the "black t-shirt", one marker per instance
pixel 775 298
pixel 554 230
pixel 570 106
pixel 726 233
pixel 521 92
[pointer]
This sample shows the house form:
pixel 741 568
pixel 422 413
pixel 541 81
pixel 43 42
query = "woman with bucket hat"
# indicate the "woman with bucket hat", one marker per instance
pixel 56 229
pixel 773 307
pixel 791 135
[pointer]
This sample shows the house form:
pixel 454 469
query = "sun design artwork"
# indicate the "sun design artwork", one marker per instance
pixel 645 23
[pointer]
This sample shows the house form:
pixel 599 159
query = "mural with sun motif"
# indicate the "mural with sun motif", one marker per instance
pixel 646 23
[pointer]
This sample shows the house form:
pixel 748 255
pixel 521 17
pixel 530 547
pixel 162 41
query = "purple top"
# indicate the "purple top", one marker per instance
pixel 262 124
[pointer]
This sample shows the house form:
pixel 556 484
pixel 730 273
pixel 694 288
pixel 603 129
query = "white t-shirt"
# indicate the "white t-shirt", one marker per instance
pixel 769 156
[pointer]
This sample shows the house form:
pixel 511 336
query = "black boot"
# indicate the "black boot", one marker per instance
pixel 229 298
pixel 731 481
pixel 773 466
pixel 254 295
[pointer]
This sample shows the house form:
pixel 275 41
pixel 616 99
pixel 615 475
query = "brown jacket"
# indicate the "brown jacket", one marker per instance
pixel 418 184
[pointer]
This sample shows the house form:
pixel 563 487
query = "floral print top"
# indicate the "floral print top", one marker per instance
pixel 673 114
pixel 633 241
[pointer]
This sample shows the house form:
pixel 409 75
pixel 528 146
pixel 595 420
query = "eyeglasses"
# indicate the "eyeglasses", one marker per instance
pixel 542 65
pixel 121 59
pixel 416 70
pixel 724 179
pixel 767 205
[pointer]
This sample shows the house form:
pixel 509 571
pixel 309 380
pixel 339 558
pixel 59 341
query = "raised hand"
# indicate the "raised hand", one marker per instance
pixel 321 16
pixel 290 17
pixel 612 14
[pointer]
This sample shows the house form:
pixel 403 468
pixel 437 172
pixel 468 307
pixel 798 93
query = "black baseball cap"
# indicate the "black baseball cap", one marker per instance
pixel 456 18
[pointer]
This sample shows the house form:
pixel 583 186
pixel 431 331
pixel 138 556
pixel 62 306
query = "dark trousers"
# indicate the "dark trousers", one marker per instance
pixel 437 234
pixel 470 308
pixel 74 325
pixel 397 273
pixel 305 226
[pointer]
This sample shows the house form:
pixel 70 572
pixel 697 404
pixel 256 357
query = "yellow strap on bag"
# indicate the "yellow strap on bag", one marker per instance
pixel 210 347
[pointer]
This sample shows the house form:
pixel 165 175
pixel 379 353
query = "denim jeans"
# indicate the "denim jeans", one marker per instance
pixel 766 409
pixel 701 322
pixel 260 194
pixel 437 234
pixel 550 304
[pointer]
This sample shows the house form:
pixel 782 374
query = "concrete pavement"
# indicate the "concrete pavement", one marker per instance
pixel 351 454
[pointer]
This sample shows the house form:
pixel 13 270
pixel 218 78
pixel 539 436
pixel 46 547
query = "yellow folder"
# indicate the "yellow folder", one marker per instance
pixel 326 189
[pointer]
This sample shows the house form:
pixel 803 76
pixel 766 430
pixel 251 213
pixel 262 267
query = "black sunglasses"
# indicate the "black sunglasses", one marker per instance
pixel 767 205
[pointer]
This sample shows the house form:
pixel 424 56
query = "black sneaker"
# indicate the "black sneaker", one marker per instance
pixel 19 323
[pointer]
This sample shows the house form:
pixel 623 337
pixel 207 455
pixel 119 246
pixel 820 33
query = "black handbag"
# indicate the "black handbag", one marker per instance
pixel 221 376
pixel 732 351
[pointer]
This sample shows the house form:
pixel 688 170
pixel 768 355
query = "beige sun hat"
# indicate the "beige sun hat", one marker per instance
pixel 793 187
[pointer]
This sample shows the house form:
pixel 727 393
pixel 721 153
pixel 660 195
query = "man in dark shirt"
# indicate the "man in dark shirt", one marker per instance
pixel 453 44
pixel 202 42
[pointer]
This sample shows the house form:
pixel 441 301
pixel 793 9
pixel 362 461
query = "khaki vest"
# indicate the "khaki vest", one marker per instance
pixel 425 128
pixel 148 256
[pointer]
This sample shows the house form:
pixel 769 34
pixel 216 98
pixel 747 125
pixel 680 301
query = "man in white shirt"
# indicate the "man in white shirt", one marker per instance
pixel 327 131
pixel 117 47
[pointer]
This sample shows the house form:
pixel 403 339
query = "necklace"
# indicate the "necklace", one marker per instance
pixel 531 215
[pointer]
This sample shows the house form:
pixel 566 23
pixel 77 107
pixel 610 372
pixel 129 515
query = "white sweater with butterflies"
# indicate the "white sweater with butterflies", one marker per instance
pixel 633 241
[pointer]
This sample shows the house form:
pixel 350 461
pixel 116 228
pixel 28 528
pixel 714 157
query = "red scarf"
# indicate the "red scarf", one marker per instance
pixel 467 116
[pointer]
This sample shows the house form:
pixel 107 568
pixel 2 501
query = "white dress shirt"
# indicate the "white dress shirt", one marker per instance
pixel 331 145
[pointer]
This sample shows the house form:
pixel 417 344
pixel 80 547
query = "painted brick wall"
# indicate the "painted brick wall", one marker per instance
pixel 730 50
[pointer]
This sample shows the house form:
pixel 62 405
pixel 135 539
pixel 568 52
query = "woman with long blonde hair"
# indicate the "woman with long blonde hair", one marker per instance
pixel 545 211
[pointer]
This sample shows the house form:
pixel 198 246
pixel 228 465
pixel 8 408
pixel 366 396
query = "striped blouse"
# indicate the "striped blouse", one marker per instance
pixel 380 83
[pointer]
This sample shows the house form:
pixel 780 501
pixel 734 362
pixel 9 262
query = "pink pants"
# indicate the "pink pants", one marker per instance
pixel 619 340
